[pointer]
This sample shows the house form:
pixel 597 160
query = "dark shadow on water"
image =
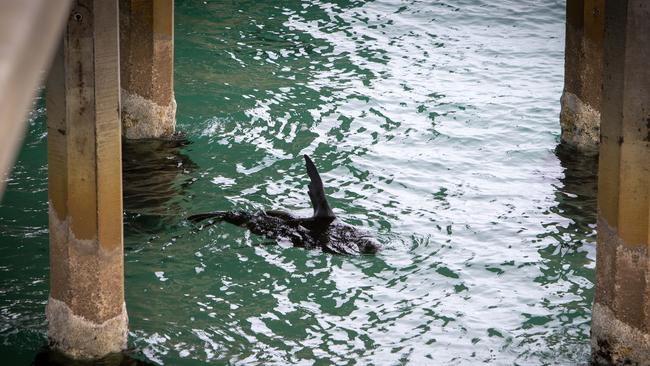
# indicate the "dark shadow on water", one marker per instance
pixel 567 259
pixel 576 199
pixel 49 357
pixel 156 174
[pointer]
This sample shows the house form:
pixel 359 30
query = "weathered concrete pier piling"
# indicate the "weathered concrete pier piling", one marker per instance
pixel 581 100
pixel 621 312
pixel 86 311
pixel 147 68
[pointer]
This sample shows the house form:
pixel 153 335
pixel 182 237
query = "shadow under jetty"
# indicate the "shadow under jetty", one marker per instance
pixel 568 253
pixel 50 357
pixel 577 199
pixel 156 174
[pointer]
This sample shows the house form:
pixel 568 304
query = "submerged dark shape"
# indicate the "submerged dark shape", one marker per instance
pixel 51 357
pixel 155 177
pixel 323 230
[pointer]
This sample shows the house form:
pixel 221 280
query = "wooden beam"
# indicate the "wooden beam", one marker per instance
pixel 29 34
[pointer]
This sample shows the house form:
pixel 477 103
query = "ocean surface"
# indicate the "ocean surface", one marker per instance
pixel 435 127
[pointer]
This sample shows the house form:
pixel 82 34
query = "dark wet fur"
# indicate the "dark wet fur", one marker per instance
pixel 323 230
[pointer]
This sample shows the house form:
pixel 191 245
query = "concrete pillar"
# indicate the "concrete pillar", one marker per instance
pixel 621 312
pixel 583 70
pixel 147 68
pixel 86 312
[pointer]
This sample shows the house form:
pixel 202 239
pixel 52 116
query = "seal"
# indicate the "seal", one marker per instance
pixel 322 231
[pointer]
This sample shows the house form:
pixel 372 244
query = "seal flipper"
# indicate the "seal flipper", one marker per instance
pixel 317 193
pixel 239 218
pixel 208 215
pixel 281 215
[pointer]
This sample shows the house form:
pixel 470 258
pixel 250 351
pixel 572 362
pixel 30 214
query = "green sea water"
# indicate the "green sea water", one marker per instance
pixel 435 127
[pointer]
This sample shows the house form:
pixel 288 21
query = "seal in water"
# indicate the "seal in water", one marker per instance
pixel 323 230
